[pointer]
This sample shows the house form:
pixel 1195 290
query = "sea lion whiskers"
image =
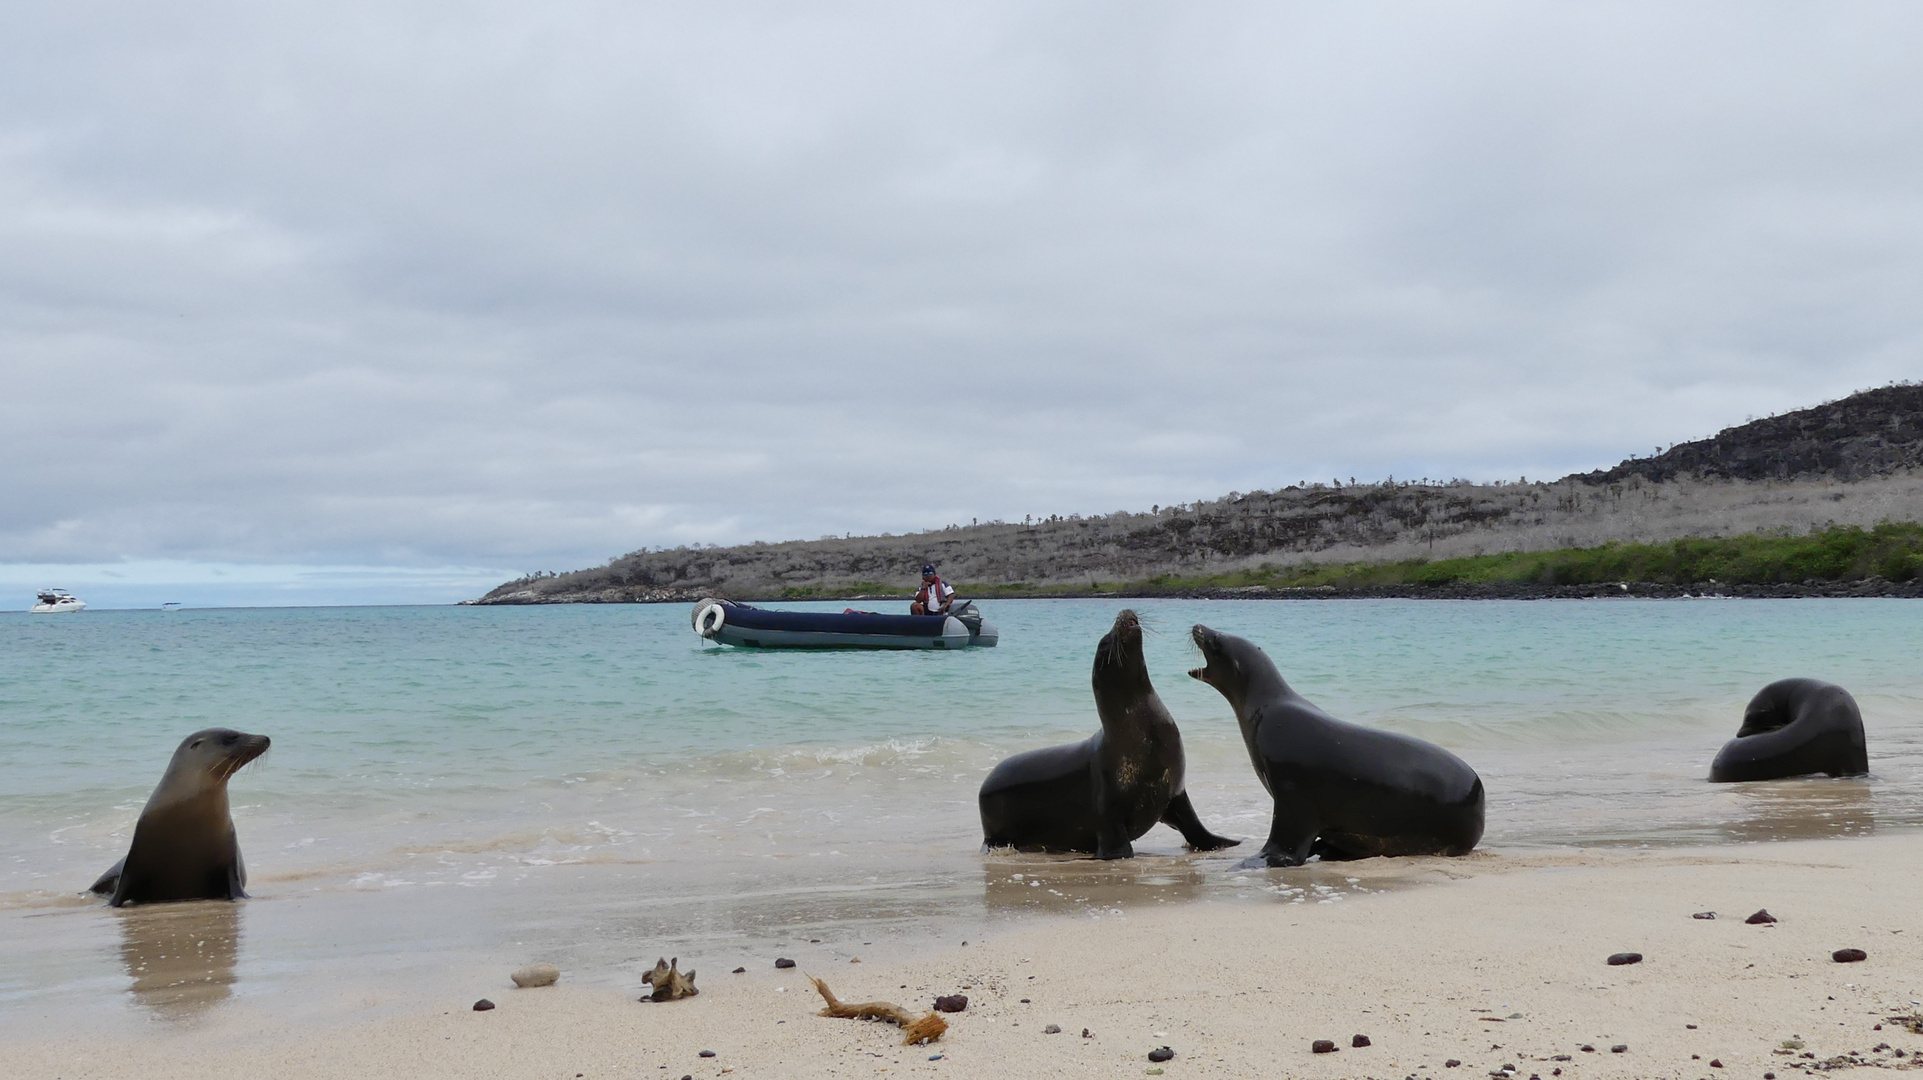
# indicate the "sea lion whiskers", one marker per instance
pixel 245 751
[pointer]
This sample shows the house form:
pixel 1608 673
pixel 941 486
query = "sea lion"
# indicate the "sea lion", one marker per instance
pixel 1100 794
pixel 184 846
pixel 1795 727
pixel 1341 791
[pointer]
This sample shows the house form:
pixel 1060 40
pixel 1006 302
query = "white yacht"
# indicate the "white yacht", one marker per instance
pixel 53 600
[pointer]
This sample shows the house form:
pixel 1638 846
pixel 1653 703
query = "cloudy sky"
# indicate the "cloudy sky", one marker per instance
pixel 332 301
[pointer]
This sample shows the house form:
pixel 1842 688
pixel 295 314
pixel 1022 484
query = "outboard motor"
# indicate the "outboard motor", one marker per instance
pixel 981 632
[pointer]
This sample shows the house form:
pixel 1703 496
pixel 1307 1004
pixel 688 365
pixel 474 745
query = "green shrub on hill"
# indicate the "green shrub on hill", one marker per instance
pixel 1892 550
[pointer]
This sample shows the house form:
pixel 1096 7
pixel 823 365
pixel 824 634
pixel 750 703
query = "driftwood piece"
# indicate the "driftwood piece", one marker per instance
pixel 925 1028
pixel 669 984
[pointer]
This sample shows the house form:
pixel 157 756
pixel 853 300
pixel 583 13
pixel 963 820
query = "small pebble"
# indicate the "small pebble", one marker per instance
pixel 1322 1046
pixel 1052 1029
pixel 1024 1001
pixel 1160 1053
pixel 741 971
pixel 1621 958
pixel 1151 1072
pixel 1619 1048
pixel 1769 1076
pixel 1562 1057
pixel 855 960
pixel 1691 1027
pixel 707 1053
pixel 934 1057
pixel 1761 917
pixel 784 962
pixel 1704 915
pixel 1359 1041
pixel 536 975
pixel 1586 1048
pixel 951 1003
pixel 1086 1034
pixel 1715 1063
pixel 1849 956
pixel 483 1005
pixel 1451 1063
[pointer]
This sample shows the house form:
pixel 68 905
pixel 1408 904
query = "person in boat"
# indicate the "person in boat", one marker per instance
pixel 936 597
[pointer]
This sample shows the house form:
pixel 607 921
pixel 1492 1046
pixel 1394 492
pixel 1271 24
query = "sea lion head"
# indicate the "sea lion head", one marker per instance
pixel 206 759
pixel 1118 656
pixel 1780 703
pixel 1230 664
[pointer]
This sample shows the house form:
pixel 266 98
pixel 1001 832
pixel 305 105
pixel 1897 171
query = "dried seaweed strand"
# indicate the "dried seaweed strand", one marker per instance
pixel 925 1028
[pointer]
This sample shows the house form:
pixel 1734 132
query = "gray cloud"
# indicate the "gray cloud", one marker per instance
pixel 486 285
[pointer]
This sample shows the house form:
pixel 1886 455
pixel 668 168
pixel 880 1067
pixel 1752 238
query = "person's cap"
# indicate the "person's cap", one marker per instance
pixel 927 568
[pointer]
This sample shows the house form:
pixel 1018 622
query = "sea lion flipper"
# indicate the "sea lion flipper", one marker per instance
pixel 1181 817
pixel 1112 843
pixel 1291 840
pixel 1111 838
pixel 110 880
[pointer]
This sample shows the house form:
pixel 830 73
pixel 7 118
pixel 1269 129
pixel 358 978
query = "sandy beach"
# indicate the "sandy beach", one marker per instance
pixel 1497 959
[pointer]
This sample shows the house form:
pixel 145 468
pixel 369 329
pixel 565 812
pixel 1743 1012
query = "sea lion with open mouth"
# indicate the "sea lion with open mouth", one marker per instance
pixel 1100 794
pixel 1341 791
pixel 184 846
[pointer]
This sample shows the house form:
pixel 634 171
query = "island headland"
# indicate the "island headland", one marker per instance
pixel 1823 501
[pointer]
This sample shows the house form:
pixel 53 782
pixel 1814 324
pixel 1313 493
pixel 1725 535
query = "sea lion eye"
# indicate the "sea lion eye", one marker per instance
pixel 195 745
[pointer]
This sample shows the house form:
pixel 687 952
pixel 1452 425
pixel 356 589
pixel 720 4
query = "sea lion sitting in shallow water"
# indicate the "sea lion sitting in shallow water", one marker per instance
pixel 1341 791
pixel 1100 794
pixel 184 846
pixel 1795 727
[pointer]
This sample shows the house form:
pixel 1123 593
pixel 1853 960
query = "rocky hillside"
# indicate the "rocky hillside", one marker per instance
pixel 1845 462
pixel 1872 433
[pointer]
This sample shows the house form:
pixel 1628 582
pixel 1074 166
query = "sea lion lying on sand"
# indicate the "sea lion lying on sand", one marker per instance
pixel 1341 791
pixel 184 846
pixel 1100 794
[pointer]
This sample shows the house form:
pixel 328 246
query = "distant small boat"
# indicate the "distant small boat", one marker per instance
pixel 751 627
pixel 57 600
pixel 171 605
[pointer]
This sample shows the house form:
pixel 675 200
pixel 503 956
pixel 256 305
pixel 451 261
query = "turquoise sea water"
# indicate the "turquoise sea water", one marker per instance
pixel 460 781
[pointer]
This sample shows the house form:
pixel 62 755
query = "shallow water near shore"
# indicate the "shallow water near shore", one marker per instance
pixel 455 791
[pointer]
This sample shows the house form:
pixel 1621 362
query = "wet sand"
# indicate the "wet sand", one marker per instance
pixel 1491 960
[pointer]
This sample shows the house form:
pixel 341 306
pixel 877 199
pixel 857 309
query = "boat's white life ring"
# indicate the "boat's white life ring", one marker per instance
pixel 709 618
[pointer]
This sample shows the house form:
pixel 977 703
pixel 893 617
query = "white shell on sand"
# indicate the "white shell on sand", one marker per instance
pixel 536 975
